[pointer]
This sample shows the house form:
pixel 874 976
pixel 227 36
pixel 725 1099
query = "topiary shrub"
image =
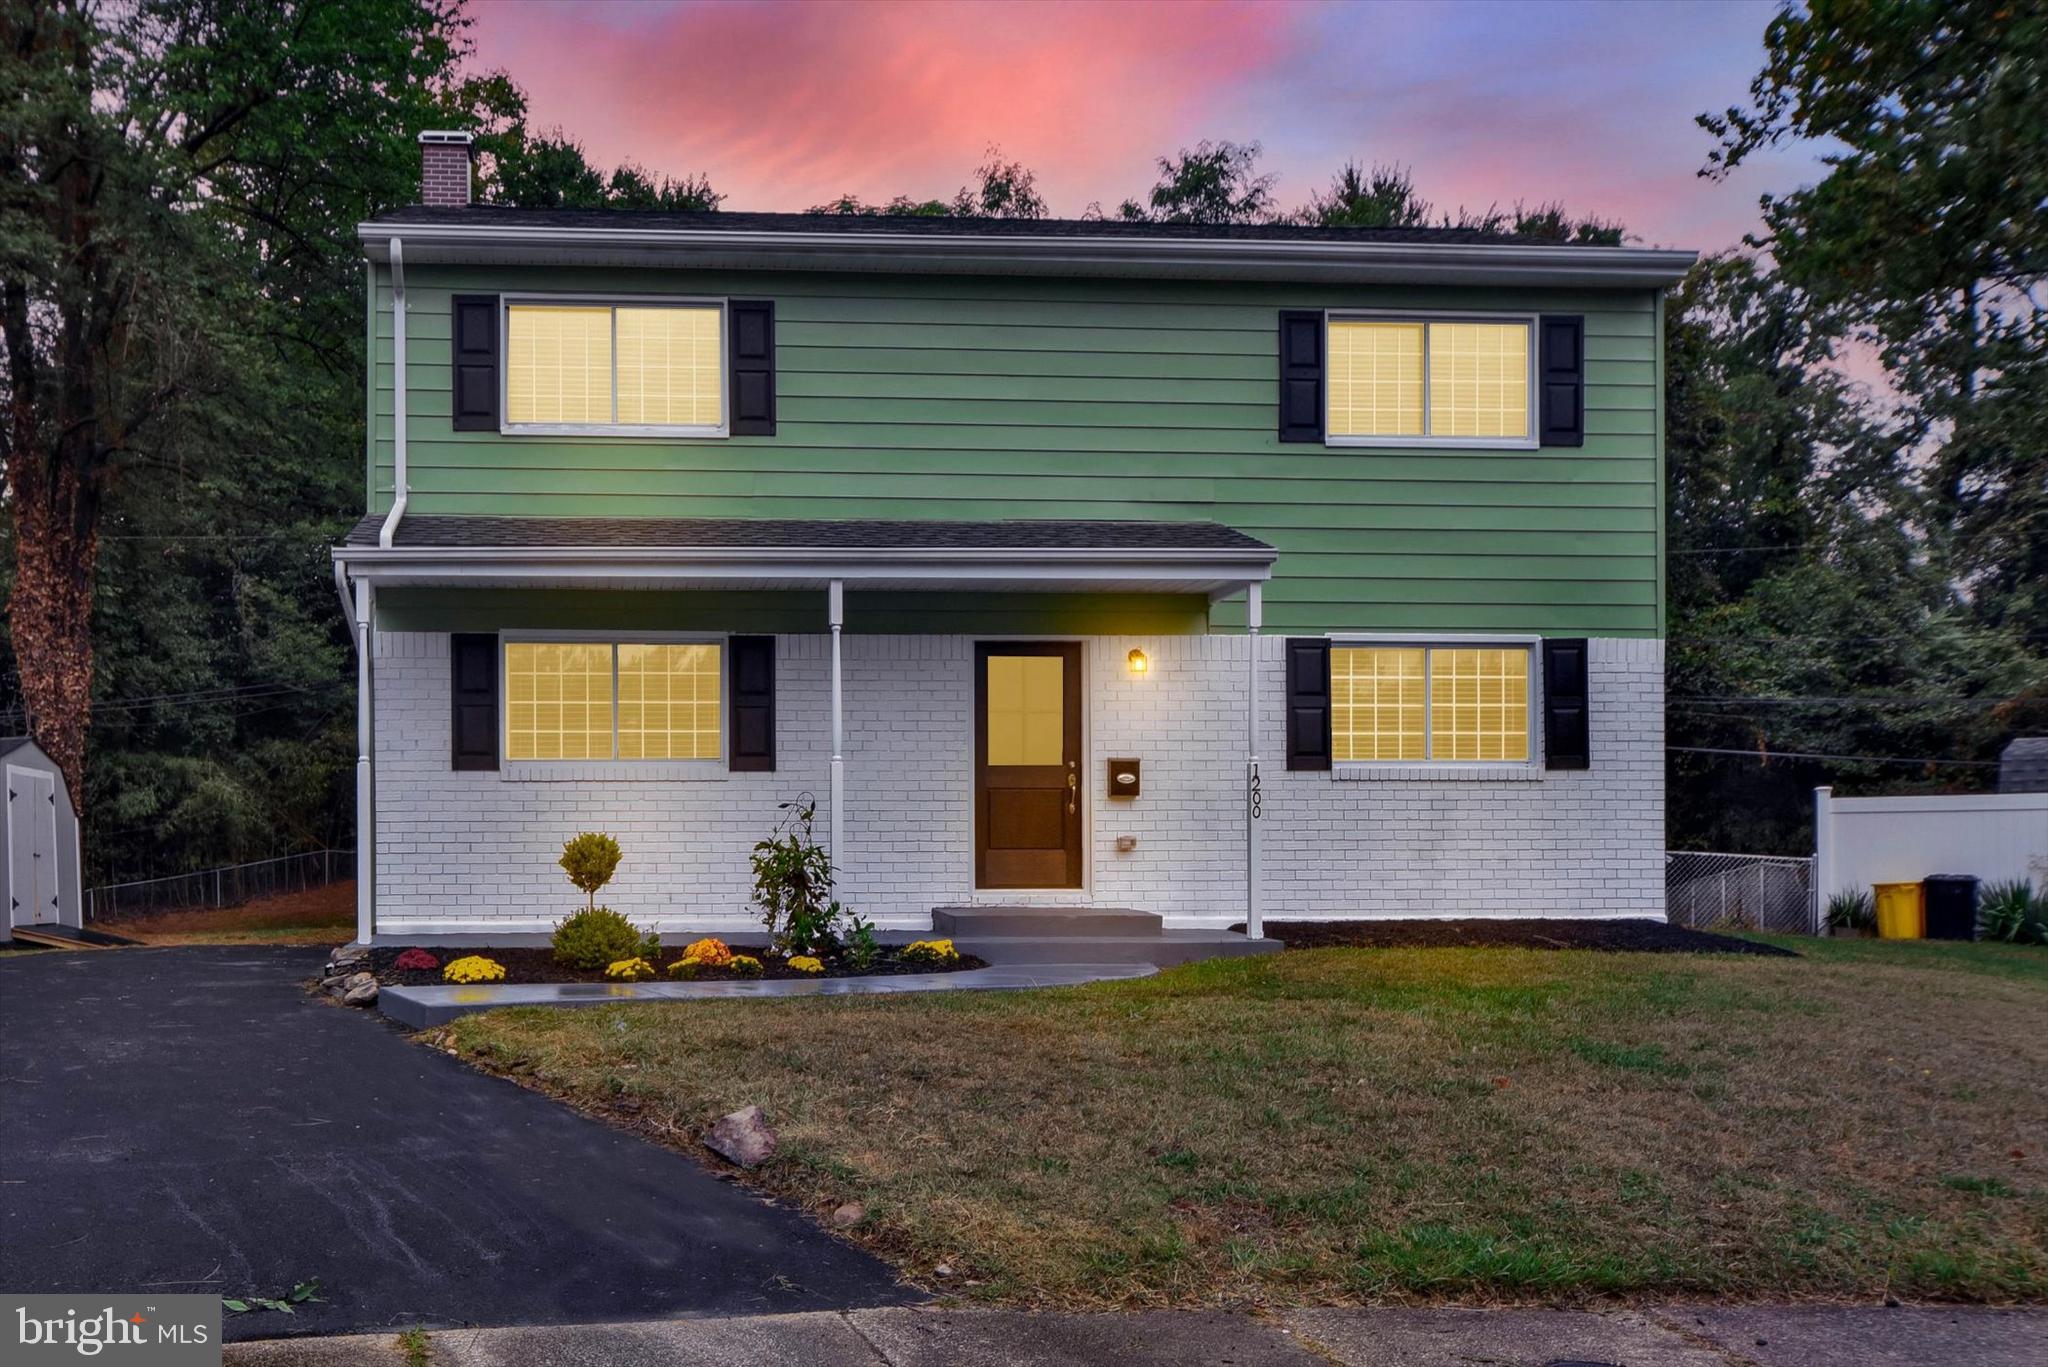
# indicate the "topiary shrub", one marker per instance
pixel 597 936
pixel 590 860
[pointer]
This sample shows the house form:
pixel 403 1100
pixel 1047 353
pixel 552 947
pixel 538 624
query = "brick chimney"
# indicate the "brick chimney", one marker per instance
pixel 444 168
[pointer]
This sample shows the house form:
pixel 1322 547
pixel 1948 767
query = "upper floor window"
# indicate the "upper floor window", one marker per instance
pixel 654 367
pixel 1431 381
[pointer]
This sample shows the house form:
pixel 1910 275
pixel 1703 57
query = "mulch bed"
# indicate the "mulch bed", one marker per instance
pixel 1650 937
pixel 536 964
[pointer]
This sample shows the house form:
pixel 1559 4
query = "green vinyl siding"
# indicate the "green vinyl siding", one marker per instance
pixel 990 397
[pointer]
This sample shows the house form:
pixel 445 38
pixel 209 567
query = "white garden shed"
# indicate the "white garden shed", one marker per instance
pixel 42 863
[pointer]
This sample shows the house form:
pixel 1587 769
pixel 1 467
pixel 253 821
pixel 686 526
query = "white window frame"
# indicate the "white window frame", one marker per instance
pixel 642 768
pixel 1429 767
pixel 1528 320
pixel 506 427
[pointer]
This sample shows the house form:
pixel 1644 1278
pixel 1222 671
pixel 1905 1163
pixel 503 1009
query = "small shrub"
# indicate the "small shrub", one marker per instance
pixel 1851 909
pixel 632 970
pixel 473 968
pixel 686 968
pixel 793 884
pixel 805 963
pixel 712 953
pixel 931 953
pixel 590 860
pixel 2012 913
pixel 744 966
pixel 859 948
pixel 415 960
pixel 597 936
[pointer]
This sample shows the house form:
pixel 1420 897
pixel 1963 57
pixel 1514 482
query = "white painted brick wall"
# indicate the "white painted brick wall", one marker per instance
pixel 477 850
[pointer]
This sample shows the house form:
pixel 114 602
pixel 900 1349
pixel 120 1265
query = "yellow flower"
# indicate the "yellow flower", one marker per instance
pixel 710 952
pixel 805 963
pixel 746 965
pixel 930 951
pixel 629 970
pixel 473 968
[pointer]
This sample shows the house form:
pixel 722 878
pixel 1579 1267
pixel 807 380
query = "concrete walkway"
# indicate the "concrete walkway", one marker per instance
pixel 1669 1336
pixel 421 1007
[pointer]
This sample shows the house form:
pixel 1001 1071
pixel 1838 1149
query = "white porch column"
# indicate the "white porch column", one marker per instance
pixel 1253 800
pixel 836 613
pixel 366 813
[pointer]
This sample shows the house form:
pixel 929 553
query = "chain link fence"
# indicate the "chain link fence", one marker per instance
pixel 223 887
pixel 1740 892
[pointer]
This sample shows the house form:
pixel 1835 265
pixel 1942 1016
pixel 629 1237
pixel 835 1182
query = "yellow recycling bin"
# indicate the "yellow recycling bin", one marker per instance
pixel 1901 911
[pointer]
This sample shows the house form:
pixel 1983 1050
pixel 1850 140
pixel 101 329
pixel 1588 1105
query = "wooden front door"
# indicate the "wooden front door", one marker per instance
pixel 1027 765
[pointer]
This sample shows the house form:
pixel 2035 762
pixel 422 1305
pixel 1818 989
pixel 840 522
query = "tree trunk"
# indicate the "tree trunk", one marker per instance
pixel 56 525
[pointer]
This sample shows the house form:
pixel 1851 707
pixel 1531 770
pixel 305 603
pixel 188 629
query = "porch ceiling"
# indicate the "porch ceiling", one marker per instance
pixel 738 553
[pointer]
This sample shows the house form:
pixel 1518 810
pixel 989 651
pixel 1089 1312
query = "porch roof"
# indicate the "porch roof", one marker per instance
pixel 1036 555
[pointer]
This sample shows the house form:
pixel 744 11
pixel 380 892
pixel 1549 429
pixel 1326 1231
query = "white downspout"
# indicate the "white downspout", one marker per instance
pixel 400 485
pixel 836 614
pixel 366 814
pixel 1254 611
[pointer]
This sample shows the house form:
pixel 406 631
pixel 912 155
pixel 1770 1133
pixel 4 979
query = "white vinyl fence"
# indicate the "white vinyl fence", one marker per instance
pixel 1709 891
pixel 1993 837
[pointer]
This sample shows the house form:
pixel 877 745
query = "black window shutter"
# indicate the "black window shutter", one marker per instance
pixel 1308 704
pixel 1301 375
pixel 752 670
pixel 1561 379
pixel 475 347
pixel 1567 733
pixel 751 358
pixel 473 689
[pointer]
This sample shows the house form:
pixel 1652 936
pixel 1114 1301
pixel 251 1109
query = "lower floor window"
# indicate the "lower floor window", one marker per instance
pixel 601 700
pixel 1411 704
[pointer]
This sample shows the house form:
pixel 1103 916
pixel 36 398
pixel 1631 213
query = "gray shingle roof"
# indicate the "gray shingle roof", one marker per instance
pixel 734 533
pixel 854 225
pixel 9 744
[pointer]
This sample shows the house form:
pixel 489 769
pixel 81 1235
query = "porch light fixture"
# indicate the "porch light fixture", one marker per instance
pixel 1139 664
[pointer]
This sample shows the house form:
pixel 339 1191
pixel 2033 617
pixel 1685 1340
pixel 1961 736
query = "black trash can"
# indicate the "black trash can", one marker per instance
pixel 1951 901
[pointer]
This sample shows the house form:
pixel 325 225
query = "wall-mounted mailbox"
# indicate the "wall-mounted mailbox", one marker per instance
pixel 1123 778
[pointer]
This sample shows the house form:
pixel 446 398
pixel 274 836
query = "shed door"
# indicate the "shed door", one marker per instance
pixel 32 846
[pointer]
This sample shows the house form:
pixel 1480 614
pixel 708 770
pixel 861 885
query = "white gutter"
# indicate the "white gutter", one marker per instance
pixel 1254 258
pixel 1191 571
pixel 400 486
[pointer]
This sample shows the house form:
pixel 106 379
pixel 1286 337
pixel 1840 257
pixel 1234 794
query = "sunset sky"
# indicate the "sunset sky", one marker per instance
pixel 788 105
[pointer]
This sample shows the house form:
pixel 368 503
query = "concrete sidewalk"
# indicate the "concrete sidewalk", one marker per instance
pixel 1666 1336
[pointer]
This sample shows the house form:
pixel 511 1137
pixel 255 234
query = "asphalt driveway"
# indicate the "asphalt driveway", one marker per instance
pixel 187 1120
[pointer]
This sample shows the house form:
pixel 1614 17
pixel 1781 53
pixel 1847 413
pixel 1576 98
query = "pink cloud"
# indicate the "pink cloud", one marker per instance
pixel 792 104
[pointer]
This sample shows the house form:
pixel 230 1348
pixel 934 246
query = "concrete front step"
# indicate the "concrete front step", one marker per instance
pixel 1042 922
pixel 1162 948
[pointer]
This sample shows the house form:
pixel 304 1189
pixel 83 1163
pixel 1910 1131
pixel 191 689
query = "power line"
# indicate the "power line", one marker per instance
pixel 1805 754
pixel 1857 700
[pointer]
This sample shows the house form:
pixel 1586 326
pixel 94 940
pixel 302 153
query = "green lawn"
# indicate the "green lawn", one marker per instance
pixel 1371 1125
